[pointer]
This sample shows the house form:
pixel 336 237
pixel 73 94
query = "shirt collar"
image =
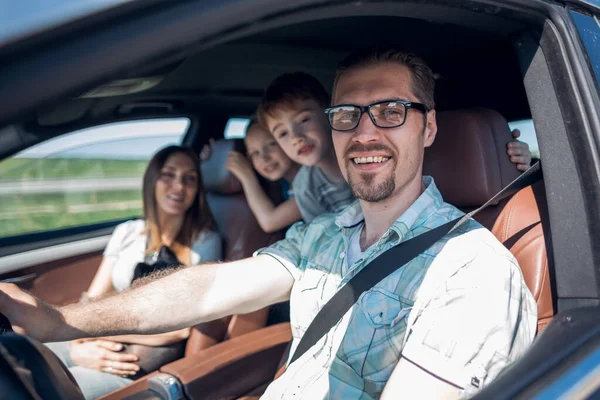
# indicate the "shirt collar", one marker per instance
pixel 419 211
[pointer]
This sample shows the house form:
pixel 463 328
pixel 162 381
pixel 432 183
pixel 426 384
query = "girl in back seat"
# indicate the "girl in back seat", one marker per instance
pixel 176 215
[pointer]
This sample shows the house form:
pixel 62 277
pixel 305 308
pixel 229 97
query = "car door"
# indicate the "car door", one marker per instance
pixel 60 201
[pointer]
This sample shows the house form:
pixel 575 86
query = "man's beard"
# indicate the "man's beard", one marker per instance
pixel 365 187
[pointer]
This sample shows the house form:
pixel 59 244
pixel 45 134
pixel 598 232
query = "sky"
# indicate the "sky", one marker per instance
pixel 124 140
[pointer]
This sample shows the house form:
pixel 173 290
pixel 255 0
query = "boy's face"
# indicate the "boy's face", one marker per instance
pixel 267 157
pixel 302 131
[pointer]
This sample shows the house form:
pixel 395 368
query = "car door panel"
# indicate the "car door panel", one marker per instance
pixel 57 274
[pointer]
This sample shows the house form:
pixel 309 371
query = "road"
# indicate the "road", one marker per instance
pixel 69 185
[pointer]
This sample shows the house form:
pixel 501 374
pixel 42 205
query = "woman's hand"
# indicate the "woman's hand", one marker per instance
pixel 518 152
pixel 103 355
pixel 239 166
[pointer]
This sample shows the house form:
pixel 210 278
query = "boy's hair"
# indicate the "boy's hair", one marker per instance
pixel 287 89
pixel 423 81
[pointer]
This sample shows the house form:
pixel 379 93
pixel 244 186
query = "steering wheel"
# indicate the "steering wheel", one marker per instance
pixel 5 325
pixel 27 366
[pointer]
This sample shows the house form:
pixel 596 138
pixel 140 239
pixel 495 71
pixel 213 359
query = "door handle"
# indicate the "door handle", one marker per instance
pixel 21 279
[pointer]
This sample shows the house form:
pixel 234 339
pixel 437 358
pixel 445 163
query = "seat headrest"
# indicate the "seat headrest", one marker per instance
pixel 215 176
pixel 468 159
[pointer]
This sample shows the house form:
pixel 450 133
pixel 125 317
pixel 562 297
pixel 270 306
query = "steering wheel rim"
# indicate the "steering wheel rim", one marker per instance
pixel 5 326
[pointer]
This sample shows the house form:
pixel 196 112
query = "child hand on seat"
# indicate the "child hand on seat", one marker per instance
pixel 518 152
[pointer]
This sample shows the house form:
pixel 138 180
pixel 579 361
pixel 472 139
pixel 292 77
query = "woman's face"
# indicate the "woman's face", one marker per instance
pixel 267 157
pixel 177 185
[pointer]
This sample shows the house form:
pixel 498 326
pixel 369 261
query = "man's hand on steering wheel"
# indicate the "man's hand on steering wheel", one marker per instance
pixel 27 314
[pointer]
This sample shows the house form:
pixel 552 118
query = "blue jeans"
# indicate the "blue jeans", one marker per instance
pixel 93 383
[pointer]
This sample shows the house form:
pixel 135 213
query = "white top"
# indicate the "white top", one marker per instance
pixel 127 246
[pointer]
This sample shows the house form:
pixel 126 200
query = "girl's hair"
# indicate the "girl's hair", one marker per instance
pixel 198 218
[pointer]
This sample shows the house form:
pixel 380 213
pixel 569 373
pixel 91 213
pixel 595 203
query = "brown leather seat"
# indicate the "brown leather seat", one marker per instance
pixel 520 227
pixel 468 160
pixel 469 164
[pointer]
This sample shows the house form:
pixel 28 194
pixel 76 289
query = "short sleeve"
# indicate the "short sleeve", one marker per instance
pixel 117 239
pixel 479 321
pixel 209 246
pixel 305 195
pixel 289 249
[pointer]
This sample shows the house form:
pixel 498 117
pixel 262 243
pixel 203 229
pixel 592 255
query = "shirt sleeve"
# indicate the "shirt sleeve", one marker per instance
pixel 209 246
pixel 289 249
pixel 115 243
pixel 480 320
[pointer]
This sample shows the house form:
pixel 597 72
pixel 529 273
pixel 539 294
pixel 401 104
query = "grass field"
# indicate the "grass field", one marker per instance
pixel 18 169
pixel 35 212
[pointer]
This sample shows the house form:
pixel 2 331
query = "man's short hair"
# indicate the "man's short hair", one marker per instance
pixel 423 81
pixel 288 88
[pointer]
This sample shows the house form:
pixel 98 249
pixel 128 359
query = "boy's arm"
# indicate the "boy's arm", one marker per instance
pixel 182 299
pixel 271 218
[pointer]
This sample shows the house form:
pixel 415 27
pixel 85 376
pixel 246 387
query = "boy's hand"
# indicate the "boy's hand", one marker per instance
pixel 239 166
pixel 518 152
pixel 206 151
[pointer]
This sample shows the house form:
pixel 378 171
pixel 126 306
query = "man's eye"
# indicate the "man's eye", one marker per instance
pixel 304 120
pixel 281 134
pixel 272 143
pixel 253 154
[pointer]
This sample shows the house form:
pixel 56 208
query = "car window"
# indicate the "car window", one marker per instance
pixel 236 128
pixel 81 178
pixel 527 135
pixel 589 32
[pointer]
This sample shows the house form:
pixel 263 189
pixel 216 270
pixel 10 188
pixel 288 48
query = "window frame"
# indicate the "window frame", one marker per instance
pixel 38 239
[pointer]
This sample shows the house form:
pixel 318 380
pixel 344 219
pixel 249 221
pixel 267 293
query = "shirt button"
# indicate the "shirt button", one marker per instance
pixel 377 318
pixel 342 254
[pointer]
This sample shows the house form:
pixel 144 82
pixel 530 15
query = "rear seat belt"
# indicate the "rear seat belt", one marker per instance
pixel 392 260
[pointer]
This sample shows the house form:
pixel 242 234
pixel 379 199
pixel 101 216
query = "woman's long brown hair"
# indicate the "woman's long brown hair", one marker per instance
pixel 198 218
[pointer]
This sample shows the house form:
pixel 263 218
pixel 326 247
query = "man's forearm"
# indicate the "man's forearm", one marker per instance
pixel 165 305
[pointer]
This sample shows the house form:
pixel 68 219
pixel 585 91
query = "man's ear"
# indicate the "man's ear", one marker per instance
pixel 430 129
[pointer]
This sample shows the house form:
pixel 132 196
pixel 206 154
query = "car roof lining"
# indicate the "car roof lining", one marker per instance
pixel 312 43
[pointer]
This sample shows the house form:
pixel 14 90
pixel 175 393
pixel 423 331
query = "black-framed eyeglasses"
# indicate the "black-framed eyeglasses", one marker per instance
pixel 384 114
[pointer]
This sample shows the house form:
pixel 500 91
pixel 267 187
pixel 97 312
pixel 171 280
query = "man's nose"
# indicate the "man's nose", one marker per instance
pixel 366 131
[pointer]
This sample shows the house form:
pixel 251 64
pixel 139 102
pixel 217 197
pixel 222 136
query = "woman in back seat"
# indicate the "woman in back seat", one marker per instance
pixel 176 215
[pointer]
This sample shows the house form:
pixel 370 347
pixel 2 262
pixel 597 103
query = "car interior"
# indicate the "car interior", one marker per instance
pixel 492 65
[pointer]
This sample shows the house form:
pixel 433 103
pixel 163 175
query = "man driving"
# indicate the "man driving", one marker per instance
pixel 442 326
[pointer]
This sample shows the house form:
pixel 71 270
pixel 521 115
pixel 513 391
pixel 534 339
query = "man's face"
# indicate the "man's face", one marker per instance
pixel 302 131
pixel 379 163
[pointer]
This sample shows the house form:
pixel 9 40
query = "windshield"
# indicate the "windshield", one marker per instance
pixel 25 18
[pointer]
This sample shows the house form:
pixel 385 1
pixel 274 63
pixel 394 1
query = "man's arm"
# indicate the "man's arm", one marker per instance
pixel 185 298
pixel 411 382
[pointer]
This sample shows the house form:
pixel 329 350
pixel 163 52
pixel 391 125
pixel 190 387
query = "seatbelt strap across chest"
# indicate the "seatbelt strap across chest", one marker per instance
pixel 392 260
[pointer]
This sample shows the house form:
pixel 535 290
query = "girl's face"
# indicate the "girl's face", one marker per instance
pixel 267 157
pixel 177 185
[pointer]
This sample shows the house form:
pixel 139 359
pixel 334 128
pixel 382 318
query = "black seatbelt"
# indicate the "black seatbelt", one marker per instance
pixel 392 260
